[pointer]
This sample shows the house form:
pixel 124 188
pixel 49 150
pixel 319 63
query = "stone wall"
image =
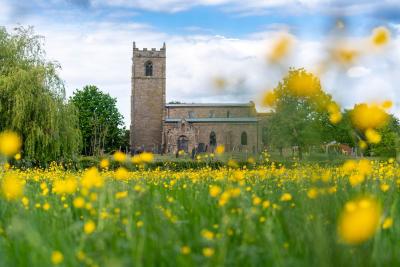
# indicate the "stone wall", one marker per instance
pixel 205 112
pixel 227 134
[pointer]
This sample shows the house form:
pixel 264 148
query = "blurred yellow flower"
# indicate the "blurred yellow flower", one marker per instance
pixel 269 99
pixel 12 187
pixel 335 118
pixel 146 157
pixel 119 156
pixel 387 223
pixel 104 163
pixel 303 84
pixel 79 202
pixel 121 195
pixel 312 193
pixel 286 197
pixel 364 116
pixel 380 36
pixel 121 173
pixel 17 156
pixel 384 187
pixel 57 257
pixel 89 227
pixel 356 179
pixel 185 250
pixel 208 252
pixel 206 234
pixel 92 178
pixel 373 136
pixel 387 104
pixel 10 143
pixel 281 48
pixel 359 220
pixel 215 190
pixel 220 149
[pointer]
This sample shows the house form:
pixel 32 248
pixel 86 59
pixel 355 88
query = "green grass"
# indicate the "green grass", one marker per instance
pixel 176 206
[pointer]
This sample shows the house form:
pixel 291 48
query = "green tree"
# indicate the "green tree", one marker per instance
pixel 32 99
pixel 389 146
pixel 299 116
pixel 99 121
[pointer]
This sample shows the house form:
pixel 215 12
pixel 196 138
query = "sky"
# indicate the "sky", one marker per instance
pixel 209 40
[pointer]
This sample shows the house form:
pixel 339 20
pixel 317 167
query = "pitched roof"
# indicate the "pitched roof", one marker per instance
pixel 250 104
pixel 242 119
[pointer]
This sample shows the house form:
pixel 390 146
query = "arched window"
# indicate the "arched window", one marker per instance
pixel 148 68
pixel 243 139
pixel 213 139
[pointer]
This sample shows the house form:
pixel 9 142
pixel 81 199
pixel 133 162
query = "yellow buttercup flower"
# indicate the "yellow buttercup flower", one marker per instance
pixel 206 234
pixel 286 197
pixel 104 163
pixel 12 187
pixel 380 36
pixel 303 84
pixel 387 223
pixel 146 157
pixel 208 252
pixel 365 117
pixel 79 202
pixel 373 136
pixel 10 143
pixel 92 178
pixel 280 48
pixel 269 99
pixel 57 257
pixel 185 250
pixel 215 190
pixel 359 220
pixel 119 156
pixel 220 149
pixel 89 227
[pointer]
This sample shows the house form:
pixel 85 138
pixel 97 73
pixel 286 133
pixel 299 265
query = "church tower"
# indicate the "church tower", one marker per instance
pixel 148 98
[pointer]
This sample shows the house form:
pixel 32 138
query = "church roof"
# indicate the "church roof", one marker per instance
pixel 242 119
pixel 250 104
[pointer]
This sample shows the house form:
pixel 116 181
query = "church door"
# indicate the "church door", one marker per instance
pixel 183 143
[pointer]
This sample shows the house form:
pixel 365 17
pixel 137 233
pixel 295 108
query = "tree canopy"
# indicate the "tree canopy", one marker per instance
pixel 32 99
pixel 99 121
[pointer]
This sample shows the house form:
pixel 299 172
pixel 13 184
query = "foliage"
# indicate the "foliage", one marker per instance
pixel 298 117
pixel 99 121
pixel 32 99
pixel 389 146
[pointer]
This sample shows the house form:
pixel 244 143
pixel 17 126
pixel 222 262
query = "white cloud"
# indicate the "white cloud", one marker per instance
pixel 100 53
pixel 358 71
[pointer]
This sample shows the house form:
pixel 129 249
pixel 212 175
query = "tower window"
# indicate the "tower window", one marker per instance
pixel 191 114
pixel 149 68
pixel 243 139
pixel 228 114
pixel 211 114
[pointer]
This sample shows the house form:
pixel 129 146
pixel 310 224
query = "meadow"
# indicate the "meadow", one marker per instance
pixel 264 214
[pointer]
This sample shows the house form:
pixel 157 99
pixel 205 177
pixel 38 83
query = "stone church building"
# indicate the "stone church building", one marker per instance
pixel 167 128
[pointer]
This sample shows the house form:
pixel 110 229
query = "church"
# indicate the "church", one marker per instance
pixel 159 127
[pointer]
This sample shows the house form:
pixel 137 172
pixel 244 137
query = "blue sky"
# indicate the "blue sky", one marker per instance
pixel 92 39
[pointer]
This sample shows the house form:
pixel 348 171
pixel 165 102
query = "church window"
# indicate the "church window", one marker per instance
pixel 228 114
pixel 243 139
pixel 213 139
pixel 191 114
pixel 149 68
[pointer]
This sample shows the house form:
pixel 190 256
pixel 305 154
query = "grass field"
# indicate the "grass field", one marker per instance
pixel 266 216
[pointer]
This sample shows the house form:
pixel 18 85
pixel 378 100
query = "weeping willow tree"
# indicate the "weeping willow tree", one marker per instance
pixel 32 99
